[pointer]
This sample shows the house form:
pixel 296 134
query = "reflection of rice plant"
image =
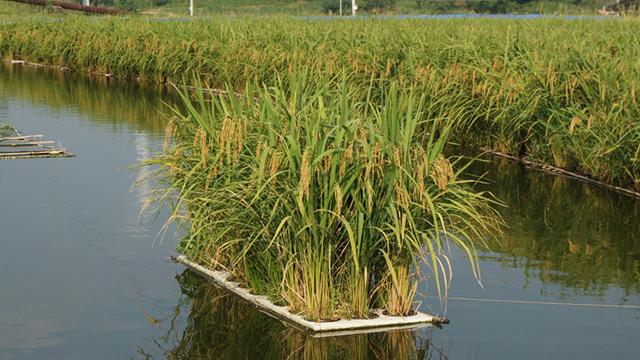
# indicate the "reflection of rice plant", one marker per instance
pixel 565 232
pixel 319 198
pixel 219 326
pixel 7 130
pixel 112 104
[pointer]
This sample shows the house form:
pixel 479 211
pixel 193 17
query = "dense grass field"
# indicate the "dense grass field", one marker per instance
pixel 562 92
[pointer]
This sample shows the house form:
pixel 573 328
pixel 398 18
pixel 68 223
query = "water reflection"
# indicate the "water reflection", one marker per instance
pixel 119 107
pixel 220 326
pixel 561 231
pixel 77 262
pixel 106 101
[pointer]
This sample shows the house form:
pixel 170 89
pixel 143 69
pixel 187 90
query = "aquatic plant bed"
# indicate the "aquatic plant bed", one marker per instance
pixel 378 322
pixel 320 202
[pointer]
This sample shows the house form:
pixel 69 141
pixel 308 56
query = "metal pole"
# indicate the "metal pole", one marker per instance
pixel 354 7
pixel 340 7
pixel 190 7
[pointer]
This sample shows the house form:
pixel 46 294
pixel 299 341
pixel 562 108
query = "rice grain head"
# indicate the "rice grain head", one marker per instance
pixel 305 173
pixel 575 121
pixel 203 145
pixel 442 172
pixel 169 134
pixel 338 195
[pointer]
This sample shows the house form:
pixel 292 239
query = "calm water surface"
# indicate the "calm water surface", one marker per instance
pixel 82 276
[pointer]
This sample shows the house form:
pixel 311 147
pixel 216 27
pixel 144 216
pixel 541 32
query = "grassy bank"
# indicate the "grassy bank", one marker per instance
pixel 562 92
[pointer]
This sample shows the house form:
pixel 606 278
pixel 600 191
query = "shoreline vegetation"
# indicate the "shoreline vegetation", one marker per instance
pixel 550 169
pixel 559 92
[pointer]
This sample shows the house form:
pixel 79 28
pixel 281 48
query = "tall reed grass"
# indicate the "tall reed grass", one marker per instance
pixel 563 92
pixel 321 197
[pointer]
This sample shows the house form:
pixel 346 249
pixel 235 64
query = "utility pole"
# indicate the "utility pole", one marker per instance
pixel 354 7
pixel 190 7
pixel 340 7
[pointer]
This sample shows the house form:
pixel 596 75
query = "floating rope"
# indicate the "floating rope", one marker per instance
pixel 563 172
pixel 532 302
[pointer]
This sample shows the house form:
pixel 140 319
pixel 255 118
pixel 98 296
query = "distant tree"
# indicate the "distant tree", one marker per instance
pixel 130 5
pixel 331 5
pixel 376 4
pixel 628 5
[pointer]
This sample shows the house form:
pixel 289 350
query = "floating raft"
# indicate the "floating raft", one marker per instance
pixel 14 145
pixel 379 322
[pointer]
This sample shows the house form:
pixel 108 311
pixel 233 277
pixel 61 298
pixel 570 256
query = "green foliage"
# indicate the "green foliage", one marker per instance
pixel 626 5
pixel 160 2
pixel 562 92
pixel 376 4
pixel 311 193
pixel 333 6
pixel 130 5
pixel 7 130
pixel 309 7
pixel 395 6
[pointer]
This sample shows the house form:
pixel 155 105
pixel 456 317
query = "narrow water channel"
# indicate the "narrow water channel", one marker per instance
pixel 82 276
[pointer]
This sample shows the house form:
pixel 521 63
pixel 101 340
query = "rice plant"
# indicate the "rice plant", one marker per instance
pixel 319 197
pixel 562 92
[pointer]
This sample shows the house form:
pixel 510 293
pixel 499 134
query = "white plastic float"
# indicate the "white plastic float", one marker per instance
pixel 379 322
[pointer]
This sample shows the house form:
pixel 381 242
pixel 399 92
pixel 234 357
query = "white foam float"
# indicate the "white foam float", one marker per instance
pixel 379 322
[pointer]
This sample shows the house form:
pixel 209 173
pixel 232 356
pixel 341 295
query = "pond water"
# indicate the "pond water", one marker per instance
pixel 84 277
pixel 472 16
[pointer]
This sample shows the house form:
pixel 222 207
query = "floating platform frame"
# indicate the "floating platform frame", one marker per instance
pixel 381 322
pixel 29 147
pixel 58 153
